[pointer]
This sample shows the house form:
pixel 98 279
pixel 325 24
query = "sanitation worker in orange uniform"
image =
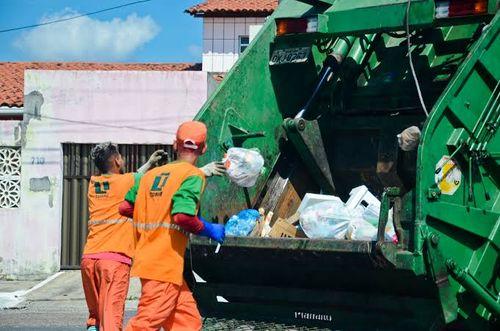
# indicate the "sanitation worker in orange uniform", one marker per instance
pixel 108 252
pixel 165 212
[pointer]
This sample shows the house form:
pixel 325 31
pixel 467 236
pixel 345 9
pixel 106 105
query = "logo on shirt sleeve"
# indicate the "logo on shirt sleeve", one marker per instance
pixel 158 184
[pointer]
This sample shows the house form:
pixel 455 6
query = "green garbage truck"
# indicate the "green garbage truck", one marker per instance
pixel 322 92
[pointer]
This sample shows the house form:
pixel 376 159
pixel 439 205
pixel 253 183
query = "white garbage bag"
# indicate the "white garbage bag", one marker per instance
pixel 360 229
pixel 243 166
pixel 409 138
pixel 370 212
pixel 328 219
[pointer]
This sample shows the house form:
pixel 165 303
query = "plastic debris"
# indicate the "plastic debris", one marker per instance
pixel 327 219
pixel 361 194
pixel 241 224
pixel 409 138
pixel 243 166
pixel 266 226
pixel 359 229
pixel 326 216
pixel 361 199
pixel 312 198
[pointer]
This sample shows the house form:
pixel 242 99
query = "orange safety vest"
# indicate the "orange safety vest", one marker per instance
pixel 161 244
pixel 108 230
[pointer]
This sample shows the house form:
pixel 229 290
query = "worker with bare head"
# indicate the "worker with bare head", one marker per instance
pixel 108 159
pixel 166 209
pixel 108 252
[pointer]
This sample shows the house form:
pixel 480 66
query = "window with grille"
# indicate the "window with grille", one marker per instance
pixel 10 177
pixel 244 42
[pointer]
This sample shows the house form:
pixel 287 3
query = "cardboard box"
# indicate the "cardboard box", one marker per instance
pixel 281 198
pixel 282 229
pixel 294 219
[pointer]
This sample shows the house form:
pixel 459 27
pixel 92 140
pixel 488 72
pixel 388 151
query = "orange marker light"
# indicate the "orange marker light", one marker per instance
pixel 480 7
pixel 460 8
pixel 286 26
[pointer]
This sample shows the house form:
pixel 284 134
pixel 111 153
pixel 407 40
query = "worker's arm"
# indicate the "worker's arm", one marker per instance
pixel 185 207
pixel 126 208
pixel 215 168
pixel 189 223
pixel 152 162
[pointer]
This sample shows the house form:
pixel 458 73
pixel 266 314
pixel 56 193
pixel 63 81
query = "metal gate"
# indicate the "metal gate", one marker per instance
pixel 78 167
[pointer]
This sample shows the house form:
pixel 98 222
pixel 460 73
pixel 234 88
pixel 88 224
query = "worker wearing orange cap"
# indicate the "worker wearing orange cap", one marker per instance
pixel 106 259
pixel 165 210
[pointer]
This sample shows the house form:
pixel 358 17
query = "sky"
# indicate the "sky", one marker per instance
pixel 154 31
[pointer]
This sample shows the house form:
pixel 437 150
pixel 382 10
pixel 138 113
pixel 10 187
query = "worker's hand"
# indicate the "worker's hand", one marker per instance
pixel 213 231
pixel 153 161
pixel 215 168
pixel 156 156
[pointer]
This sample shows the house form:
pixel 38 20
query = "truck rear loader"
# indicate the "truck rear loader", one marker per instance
pixel 323 91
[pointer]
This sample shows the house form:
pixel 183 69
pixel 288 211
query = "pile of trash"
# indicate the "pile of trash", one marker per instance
pixel 257 223
pixel 329 217
pixel 318 217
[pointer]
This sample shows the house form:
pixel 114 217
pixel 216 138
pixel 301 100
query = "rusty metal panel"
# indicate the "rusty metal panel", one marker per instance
pixel 77 169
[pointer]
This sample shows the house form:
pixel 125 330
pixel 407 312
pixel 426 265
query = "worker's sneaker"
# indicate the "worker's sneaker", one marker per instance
pixel 92 328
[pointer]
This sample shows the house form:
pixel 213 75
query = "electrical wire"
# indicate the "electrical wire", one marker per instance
pixel 410 59
pixel 73 17
pixel 100 124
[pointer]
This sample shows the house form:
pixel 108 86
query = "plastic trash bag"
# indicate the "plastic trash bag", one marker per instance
pixel 390 233
pixel 312 198
pixel 243 166
pixel 360 229
pixel 371 214
pixel 370 211
pixel 241 224
pixel 409 138
pixel 328 219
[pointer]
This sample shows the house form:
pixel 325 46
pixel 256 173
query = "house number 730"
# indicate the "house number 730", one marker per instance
pixel 37 160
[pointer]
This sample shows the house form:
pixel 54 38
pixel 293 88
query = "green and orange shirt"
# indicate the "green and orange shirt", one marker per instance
pixel 160 243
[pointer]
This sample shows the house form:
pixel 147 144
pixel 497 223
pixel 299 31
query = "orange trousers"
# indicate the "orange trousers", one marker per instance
pixel 105 284
pixel 165 305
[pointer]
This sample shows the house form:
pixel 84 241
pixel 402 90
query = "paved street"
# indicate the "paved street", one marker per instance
pixel 50 315
pixel 58 305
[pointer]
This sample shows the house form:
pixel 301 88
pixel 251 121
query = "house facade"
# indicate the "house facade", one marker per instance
pixel 52 113
pixel 44 152
pixel 228 28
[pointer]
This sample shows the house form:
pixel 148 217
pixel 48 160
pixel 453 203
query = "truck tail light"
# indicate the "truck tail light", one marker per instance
pixel 296 25
pixel 457 8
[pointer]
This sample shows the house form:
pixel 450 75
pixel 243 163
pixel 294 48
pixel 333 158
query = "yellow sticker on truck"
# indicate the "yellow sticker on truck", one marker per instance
pixel 448 176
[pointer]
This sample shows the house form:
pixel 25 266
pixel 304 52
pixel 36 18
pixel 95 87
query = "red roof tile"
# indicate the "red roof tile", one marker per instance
pixel 234 8
pixel 12 74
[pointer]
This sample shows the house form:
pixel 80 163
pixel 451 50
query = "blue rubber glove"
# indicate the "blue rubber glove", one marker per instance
pixel 213 231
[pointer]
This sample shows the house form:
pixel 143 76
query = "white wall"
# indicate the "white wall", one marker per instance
pixel 7 133
pixel 8 216
pixel 221 40
pixel 30 244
